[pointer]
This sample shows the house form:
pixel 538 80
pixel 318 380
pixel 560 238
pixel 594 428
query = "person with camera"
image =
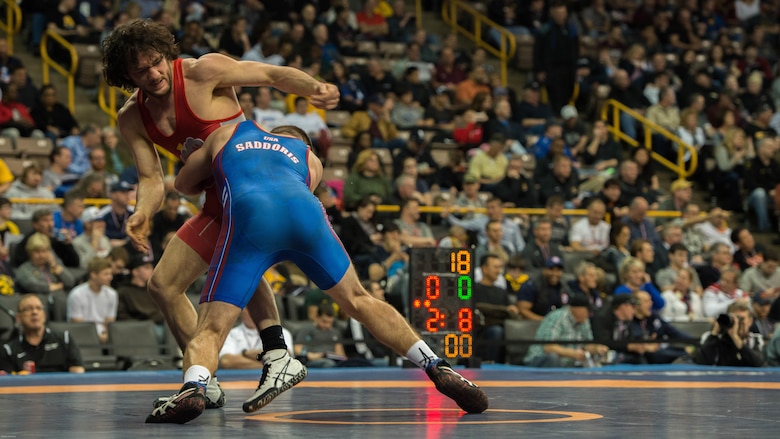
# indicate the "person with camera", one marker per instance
pixel 731 342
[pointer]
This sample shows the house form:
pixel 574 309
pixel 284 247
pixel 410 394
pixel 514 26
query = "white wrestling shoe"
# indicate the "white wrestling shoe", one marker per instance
pixel 280 372
pixel 215 396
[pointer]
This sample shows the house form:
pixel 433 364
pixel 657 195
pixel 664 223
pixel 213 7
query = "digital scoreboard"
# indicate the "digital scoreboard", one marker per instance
pixel 441 307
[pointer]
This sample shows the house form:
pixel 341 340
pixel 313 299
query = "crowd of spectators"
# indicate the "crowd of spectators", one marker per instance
pixel 433 125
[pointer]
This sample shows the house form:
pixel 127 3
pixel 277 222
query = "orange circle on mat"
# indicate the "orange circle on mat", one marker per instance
pixel 564 417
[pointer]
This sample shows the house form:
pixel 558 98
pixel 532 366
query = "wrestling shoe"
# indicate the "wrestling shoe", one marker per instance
pixel 182 407
pixel 215 396
pixel 466 394
pixel 280 372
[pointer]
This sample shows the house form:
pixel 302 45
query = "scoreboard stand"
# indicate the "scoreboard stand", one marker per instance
pixel 441 304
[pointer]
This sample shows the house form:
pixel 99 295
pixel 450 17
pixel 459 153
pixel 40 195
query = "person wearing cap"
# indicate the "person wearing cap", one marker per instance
pixel 648 325
pixel 570 322
pixel 761 180
pixel 93 242
pixel 612 326
pixel 115 214
pixel 574 132
pixel 682 192
pixel 134 300
pixel 764 278
pixel 762 323
pixel 759 126
pixel 543 292
pixel 532 114
pixel 735 346
pixel 490 166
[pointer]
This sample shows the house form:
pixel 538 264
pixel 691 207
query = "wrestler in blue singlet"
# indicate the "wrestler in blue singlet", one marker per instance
pixel 269 215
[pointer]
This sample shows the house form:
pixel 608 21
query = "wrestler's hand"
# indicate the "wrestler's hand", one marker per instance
pixel 326 96
pixel 137 229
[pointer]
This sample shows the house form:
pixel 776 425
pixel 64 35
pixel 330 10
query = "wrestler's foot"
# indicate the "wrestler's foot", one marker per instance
pixel 466 394
pixel 182 407
pixel 280 372
pixel 215 396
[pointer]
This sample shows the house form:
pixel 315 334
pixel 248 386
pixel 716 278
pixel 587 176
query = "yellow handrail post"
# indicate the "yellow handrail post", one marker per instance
pixel 418 13
pixel 69 74
pixel 12 24
pixel 648 138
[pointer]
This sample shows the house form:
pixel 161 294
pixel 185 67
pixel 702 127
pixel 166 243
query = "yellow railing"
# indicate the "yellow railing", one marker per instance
pixel 649 128
pixel 12 23
pixel 89 202
pixel 107 100
pixel 69 73
pixel 452 9
pixel 519 211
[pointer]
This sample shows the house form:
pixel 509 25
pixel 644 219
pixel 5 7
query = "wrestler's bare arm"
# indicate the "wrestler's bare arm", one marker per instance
pixel 197 171
pixel 150 191
pixel 315 170
pixel 222 71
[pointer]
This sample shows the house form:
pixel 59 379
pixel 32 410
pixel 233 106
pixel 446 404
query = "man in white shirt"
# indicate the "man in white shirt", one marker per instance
pixel 243 345
pixel 95 301
pixel 310 122
pixel 268 117
pixel 592 232
pixel 716 229
pixel 718 296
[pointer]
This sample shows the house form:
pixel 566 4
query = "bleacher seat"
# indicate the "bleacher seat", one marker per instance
pixel 367 48
pixel 29 147
pixel 135 345
pixel 515 330
pixel 525 52
pixel 337 118
pixel 16 165
pixel 334 173
pixel 86 337
pixel 694 329
pixel 392 49
pixel 7 147
pixel 338 155
pixel 441 156
pixel 572 259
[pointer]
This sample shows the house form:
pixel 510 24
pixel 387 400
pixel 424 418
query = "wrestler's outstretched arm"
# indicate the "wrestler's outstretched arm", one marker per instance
pixel 196 174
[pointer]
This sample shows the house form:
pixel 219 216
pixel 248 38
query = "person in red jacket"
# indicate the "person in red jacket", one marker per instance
pixel 15 119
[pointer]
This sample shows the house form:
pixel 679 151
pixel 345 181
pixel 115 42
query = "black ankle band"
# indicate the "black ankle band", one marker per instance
pixel 273 338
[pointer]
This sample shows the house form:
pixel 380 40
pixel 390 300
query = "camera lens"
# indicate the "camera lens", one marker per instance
pixel 725 321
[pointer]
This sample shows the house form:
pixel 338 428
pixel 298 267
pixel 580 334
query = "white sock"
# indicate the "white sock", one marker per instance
pixel 197 374
pixel 420 354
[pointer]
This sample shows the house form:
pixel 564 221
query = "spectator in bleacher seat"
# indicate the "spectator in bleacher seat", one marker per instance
pixel 573 130
pixel 633 277
pixel 413 58
pixel 718 296
pixel 90 137
pixel 515 275
pixel 67 220
pixel 93 242
pixel 7 62
pixel 666 276
pixel 570 322
pixel 50 351
pixel 759 128
pixel 610 194
pixel 762 177
pixel 493 246
pixel 682 191
pixel 665 113
pixel 613 325
pixel 733 346
pixel 543 292
pixel 416 147
pixel 93 186
pixel 389 260
pixel 43 222
pixel 683 303
pixel 452 174
pixel 512 236
pixel 559 221
pixel 586 284
pixel 648 325
pixel 95 301
pixel 592 232
pixel 320 345
pixel 111 145
pixel 168 219
pixel 627 94
pixel 448 73
pixel 15 119
pixel 414 233
pixel 720 259
pixel 489 166
pixel 596 19
pixel 762 322
pixel 643 250
pixel 516 188
pixel 246 103
pixel 671 234
pixel 372 26
pixel 234 40
pixel 763 278
pixel 377 81
pixel 754 96
pixel 545 147
pixel 243 345
pixel 56 177
pixel 494 306
pixel 263 113
pixel 716 229
pixel 556 50
pixel 98 165
pixel 639 224
pixel 407 113
pixel 401 24
pixel 422 93
pixel 476 82
pixel 647 176
pixel 310 122
pixel 120 259
pixel 27 93
pixel 351 89
pixel 469 198
pixel 693 239
pixel 43 274
pixel 748 253
pixel 377 121
pixel 409 185
pixel 689 132
pixel 500 121
pixel 133 299
pixel 540 249
pixel 731 155
pixel 367 178
pixel 115 214
pixel 562 181
pixel 532 114
pixel 343 29
pixel 9 230
pixel 193 42
pixel 456 237
pixel 28 186
pixel 660 81
pixel 360 233
pixel 322 50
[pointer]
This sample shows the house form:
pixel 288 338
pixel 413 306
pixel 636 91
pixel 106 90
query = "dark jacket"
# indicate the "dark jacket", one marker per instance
pixel 719 350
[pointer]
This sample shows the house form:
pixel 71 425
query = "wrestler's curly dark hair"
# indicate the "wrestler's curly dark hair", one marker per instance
pixel 122 46
pixel 292 130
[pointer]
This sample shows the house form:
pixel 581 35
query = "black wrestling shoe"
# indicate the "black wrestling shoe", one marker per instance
pixel 182 407
pixel 466 394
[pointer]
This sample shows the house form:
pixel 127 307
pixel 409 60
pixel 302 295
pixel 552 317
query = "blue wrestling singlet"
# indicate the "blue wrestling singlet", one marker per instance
pixel 269 215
